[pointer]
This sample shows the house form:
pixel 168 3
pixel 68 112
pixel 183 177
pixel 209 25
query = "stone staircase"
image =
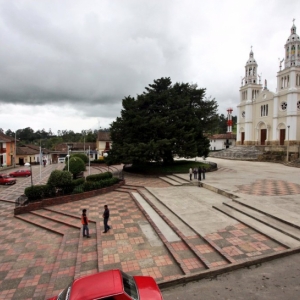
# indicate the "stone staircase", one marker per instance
pixel 276 226
pixel 73 246
pixel 238 152
pixel 294 163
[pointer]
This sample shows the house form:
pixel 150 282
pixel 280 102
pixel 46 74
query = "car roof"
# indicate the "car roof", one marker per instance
pixel 98 285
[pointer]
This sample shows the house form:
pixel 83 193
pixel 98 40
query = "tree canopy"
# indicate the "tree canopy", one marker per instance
pixel 164 121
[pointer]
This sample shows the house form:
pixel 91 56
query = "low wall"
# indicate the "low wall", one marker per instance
pixel 65 199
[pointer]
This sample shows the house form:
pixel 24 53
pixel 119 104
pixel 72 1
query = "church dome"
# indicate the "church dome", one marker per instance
pixel 251 59
pixel 294 37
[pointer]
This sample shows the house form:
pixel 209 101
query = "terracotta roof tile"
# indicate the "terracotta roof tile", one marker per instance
pixel 104 136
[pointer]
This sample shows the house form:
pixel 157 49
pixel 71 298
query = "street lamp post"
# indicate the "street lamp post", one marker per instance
pixel 105 155
pixel 89 160
pixel 288 144
pixel 15 154
pixel 29 165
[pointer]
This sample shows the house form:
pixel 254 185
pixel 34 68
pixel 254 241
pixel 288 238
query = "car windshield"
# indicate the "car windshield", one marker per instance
pixel 130 286
pixel 65 294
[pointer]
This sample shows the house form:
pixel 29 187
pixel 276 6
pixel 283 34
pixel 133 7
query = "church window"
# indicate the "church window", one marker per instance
pixel 283 105
pixel 243 114
pixel 293 50
pixel 264 110
pixel 298 105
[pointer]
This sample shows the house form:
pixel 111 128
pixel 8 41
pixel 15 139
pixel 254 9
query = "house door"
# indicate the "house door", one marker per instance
pixel 242 137
pixel 263 136
pixel 282 137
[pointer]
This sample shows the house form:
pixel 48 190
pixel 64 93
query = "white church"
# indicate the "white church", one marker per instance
pixel 272 119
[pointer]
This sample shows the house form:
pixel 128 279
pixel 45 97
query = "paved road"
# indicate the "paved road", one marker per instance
pixel 278 279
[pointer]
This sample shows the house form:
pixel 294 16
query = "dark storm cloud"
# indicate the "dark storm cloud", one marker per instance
pixel 49 57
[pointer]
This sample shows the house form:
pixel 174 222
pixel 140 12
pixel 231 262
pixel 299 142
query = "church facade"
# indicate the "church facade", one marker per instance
pixel 266 118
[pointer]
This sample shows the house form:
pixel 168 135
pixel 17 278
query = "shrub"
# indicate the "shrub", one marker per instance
pixel 76 165
pixel 59 178
pixel 78 189
pixel 37 192
pixel 78 181
pixel 82 156
pixel 99 161
pixel 92 185
pixel 98 177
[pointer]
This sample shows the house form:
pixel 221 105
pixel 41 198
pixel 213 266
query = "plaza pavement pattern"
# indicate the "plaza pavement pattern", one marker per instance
pixel 168 228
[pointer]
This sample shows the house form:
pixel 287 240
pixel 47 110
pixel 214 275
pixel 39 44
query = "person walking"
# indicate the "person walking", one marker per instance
pixel 203 172
pixel 191 173
pixel 85 224
pixel 105 219
pixel 199 173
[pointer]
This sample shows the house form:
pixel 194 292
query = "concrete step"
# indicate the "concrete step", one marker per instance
pixel 58 218
pixel 47 224
pixel 267 220
pixel 260 227
pixel 238 152
pixel 169 180
pixel 177 179
pixel 276 212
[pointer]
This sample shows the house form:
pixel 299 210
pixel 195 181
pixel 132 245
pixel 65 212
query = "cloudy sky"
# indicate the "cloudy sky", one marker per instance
pixel 67 64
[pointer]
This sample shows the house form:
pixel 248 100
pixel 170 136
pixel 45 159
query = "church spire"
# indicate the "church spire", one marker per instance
pixel 251 69
pixel 292 49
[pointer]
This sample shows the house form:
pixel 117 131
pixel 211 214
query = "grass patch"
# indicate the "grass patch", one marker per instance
pixel 154 168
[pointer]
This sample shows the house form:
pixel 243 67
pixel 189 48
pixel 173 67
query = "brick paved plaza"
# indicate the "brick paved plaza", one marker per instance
pixel 42 251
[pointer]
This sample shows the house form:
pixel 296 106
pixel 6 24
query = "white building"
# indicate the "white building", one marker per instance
pixel 222 141
pixel 272 118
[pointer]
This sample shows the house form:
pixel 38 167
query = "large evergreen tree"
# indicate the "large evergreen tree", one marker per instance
pixel 166 120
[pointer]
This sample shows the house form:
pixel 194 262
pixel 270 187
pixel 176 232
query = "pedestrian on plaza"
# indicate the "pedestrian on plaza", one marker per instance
pixel 105 219
pixel 199 173
pixel 191 173
pixel 85 224
pixel 44 162
pixel 203 172
pixel 195 171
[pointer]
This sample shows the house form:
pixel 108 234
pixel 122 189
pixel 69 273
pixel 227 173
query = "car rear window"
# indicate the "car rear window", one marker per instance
pixel 130 286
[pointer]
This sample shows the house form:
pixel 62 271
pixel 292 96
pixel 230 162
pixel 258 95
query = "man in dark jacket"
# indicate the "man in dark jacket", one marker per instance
pixel 105 219
pixel 199 173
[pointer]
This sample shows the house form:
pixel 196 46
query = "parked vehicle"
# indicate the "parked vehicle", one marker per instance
pixel 6 179
pixel 61 159
pixel 112 284
pixel 20 173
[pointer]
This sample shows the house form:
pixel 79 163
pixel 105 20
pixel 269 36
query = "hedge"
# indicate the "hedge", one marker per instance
pixel 94 185
pixel 98 177
pixel 36 192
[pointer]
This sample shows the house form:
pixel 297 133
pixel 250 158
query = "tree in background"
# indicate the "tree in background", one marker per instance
pixel 166 120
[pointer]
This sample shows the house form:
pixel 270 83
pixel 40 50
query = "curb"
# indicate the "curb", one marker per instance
pixel 219 271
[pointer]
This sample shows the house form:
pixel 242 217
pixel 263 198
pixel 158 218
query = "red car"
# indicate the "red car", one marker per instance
pixel 111 285
pixel 6 179
pixel 20 173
